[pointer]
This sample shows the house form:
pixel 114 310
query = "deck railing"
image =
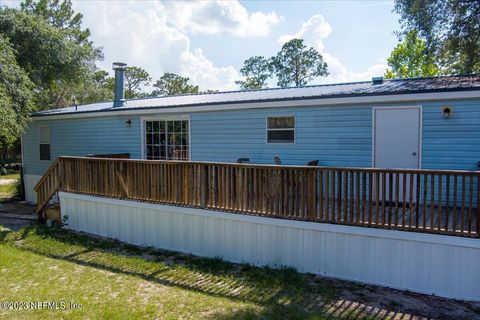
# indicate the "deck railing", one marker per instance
pixel 49 184
pixel 434 201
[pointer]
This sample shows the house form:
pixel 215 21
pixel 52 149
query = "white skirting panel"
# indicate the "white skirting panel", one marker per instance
pixel 30 181
pixel 433 264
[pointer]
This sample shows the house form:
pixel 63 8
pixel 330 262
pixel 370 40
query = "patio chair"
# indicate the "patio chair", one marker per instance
pixel 243 160
pixel 312 163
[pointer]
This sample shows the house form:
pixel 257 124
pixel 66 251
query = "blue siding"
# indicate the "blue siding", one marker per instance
pixel 79 137
pixel 335 135
pixel 454 142
pixel 339 136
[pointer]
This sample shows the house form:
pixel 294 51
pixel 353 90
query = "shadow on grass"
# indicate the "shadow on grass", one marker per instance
pixel 4 233
pixel 281 293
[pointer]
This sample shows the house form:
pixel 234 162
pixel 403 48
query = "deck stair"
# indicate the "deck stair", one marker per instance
pixel 48 187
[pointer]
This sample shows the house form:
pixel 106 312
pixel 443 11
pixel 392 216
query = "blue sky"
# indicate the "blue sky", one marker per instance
pixel 209 40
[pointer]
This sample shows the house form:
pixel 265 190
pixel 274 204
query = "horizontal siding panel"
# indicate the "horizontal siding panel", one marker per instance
pixel 453 142
pixel 79 137
pixel 334 136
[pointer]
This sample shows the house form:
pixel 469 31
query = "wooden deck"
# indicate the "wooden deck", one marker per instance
pixel 418 218
pixel 433 201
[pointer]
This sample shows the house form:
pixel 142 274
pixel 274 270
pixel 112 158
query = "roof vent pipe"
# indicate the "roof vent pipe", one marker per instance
pixel 377 80
pixel 119 68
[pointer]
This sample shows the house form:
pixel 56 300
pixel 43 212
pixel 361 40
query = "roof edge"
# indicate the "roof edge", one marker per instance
pixel 341 99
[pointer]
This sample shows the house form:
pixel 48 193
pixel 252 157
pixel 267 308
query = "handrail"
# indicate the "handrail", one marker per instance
pixel 275 166
pixel 48 185
pixel 47 173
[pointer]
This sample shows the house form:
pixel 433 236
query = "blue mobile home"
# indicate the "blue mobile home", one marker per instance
pixel 431 123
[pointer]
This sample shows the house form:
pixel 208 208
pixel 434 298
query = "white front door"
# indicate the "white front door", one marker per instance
pixel 396 137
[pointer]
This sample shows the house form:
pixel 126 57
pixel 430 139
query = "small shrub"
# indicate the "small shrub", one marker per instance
pixel 3 171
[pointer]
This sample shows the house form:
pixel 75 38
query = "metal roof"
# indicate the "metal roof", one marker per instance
pixel 366 88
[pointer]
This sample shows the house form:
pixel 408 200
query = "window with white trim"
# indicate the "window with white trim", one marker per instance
pixel 281 129
pixel 44 142
pixel 167 140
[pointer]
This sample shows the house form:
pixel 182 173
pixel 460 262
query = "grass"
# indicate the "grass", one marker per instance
pixel 113 280
pixel 9 191
pixel 11 175
pixel 117 281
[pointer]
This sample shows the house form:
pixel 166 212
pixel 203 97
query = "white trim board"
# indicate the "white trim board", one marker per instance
pixel 398 98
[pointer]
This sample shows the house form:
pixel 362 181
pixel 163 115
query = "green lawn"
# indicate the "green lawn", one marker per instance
pixel 116 281
pixel 8 191
pixel 11 175
pixel 112 280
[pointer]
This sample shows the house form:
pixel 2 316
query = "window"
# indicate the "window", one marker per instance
pixel 44 142
pixel 167 140
pixel 281 129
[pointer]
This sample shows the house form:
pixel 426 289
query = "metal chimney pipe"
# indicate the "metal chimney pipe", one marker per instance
pixel 119 68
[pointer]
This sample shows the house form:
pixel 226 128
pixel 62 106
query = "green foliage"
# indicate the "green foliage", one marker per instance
pixel 172 84
pixel 57 64
pixel 257 70
pixel 45 48
pixel 297 65
pixel 99 87
pixel 294 64
pixel 60 15
pixel 15 95
pixel 135 79
pixel 410 59
pixel 451 29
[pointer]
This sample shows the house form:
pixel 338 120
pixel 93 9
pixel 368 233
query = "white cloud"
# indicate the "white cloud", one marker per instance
pixel 314 31
pixel 202 71
pixel 340 73
pixel 145 34
pixel 217 17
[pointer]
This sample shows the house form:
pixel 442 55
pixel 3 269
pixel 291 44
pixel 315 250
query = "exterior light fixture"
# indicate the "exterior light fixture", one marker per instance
pixel 129 123
pixel 447 111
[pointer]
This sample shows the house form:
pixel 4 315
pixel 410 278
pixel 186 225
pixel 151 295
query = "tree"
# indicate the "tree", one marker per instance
pixel 54 63
pixel 15 96
pixel 410 59
pixel 257 70
pixel 135 78
pixel 451 29
pixel 297 65
pixel 59 14
pixel 172 84
pixel 100 87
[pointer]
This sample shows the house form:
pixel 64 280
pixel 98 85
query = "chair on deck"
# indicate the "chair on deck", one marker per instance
pixel 312 163
pixel 243 160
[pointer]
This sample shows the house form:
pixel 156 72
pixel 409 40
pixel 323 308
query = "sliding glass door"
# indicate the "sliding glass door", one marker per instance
pixel 167 140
